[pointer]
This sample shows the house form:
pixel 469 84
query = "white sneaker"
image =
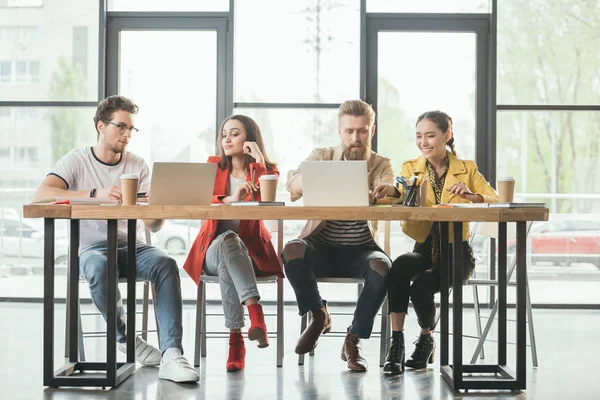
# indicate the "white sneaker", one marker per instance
pixel 177 369
pixel 145 353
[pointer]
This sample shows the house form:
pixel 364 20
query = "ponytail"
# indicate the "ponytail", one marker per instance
pixel 450 143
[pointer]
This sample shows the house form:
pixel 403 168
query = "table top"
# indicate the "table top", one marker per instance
pixel 377 213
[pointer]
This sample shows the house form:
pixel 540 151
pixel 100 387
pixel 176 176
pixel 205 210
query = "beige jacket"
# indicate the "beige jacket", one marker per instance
pixel 379 171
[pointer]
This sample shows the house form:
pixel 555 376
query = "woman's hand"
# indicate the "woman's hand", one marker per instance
pixel 251 148
pixel 243 191
pixel 460 189
pixel 382 190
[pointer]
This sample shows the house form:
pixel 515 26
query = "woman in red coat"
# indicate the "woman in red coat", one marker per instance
pixel 237 251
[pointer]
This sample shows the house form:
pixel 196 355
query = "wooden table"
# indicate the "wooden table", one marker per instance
pixel 454 374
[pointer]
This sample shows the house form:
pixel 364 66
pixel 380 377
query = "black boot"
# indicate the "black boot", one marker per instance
pixel 424 352
pixel 395 357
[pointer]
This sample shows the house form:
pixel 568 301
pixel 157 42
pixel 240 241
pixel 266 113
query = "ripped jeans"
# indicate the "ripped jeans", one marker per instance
pixel 227 257
pixel 305 261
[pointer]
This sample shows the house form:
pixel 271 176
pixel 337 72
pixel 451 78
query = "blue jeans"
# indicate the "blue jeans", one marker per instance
pixel 304 262
pixel 227 257
pixel 153 265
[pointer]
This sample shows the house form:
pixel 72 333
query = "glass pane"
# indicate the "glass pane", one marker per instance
pixel 407 88
pixel 173 5
pixel 297 51
pixel 429 6
pixel 538 149
pixel 548 53
pixel 285 129
pixel 177 115
pixel 31 141
pixel 41 52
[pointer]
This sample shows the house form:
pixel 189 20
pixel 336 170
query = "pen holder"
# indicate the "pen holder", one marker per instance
pixel 411 199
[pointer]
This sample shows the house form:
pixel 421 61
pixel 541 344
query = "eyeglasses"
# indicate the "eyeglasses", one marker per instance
pixel 122 128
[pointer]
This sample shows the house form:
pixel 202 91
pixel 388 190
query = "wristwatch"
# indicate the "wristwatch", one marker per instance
pixel 93 192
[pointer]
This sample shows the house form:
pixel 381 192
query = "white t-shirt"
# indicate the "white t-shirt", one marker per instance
pixel 80 169
pixel 230 225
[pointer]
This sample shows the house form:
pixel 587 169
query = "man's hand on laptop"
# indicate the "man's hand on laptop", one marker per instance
pixel 382 190
pixel 113 193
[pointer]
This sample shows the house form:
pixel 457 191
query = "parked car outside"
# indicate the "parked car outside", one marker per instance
pixel 176 237
pixel 21 241
pixel 565 242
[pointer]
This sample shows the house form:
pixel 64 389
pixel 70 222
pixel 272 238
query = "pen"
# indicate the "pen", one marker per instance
pixel 253 175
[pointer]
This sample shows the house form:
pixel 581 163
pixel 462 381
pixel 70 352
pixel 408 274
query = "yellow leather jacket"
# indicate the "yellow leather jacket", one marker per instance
pixel 464 171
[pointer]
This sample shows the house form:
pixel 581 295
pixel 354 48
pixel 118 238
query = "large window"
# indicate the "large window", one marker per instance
pixel 289 65
pixel 43 57
pixel 548 138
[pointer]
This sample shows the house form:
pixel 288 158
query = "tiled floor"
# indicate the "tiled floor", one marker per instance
pixel 568 347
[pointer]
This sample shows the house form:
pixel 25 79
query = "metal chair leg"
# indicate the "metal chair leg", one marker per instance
pixel 80 338
pixel 280 327
pixel 145 311
pixel 385 332
pixel 303 323
pixel 485 332
pixel 203 314
pixel 199 327
pixel 534 358
pixel 477 316
pixel 155 315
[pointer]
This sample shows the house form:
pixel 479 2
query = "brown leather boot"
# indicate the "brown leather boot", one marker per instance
pixel 320 323
pixel 351 353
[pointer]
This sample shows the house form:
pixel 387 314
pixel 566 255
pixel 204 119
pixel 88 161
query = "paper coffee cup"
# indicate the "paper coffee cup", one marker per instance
pixel 129 187
pixel 268 187
pixel 506 189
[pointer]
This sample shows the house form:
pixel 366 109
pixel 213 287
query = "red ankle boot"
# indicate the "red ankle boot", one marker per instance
pixel 237 352
pixel 258 329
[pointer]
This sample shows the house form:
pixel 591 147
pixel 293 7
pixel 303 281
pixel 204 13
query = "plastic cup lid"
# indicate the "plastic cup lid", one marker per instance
pixel 506 178
pixel 268 178
pixel 130 176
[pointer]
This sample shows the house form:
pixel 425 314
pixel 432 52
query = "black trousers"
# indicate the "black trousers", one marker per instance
pixel 321 260
pixel 413 277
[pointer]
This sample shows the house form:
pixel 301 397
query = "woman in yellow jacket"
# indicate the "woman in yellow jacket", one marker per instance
pixel 449 180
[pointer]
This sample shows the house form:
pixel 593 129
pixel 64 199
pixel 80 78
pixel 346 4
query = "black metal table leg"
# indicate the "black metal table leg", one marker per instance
pixel 521 302
pixel 111 293
pixel 73 307
pixel 444 306
pixel 131 297
pixel 457 303
pixel 48 301
pixel 503 378
pixel 502 286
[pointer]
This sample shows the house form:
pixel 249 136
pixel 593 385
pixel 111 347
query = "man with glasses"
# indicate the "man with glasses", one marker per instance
pixel 96 172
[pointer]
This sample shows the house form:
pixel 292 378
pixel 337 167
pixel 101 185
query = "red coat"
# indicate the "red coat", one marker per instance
pixel 254 234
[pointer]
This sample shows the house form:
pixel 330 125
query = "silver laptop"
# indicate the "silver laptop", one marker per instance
pixel 335 183
pixel 180 183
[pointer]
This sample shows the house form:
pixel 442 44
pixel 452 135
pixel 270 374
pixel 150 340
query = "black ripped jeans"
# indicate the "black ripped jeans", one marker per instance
pixel 416 267
pixel 321 260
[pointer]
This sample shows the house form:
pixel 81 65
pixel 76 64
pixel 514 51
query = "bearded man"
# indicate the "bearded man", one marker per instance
pixel 341 248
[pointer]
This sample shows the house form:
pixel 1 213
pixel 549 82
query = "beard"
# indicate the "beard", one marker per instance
pixel 362 153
